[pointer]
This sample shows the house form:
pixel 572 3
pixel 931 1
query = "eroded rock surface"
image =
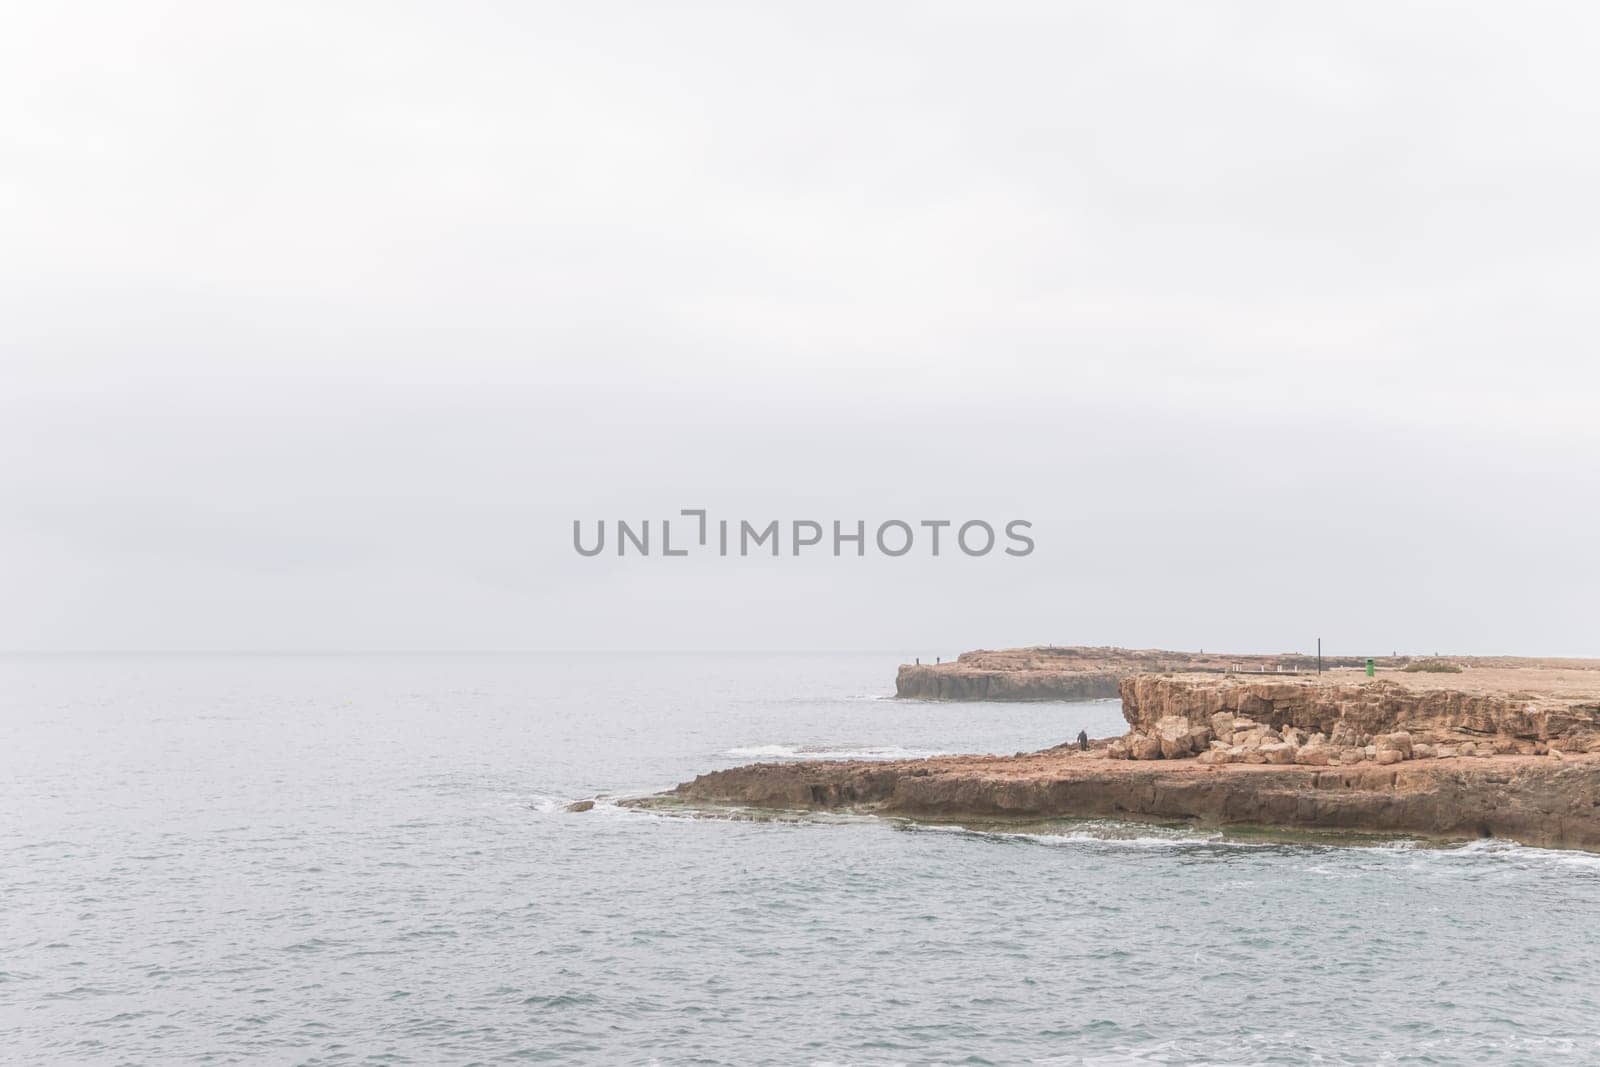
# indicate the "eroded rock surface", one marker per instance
pixel 954 682
pixel 1049 672
pixel 1491 746
pixel 1346 717
pixel 1537 801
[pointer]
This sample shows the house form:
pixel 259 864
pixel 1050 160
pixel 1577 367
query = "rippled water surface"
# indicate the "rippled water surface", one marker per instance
pixel 365 858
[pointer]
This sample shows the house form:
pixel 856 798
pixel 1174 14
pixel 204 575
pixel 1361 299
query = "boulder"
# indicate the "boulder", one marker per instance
pixel 1117 749
pixel 1222 723
pixel 1142 747
pixel 1399 741
pixel 1256 736
pixel 1277 752
pixel 1316 752
pixel 1422 750
pixel 1173 733
pixel 1390 755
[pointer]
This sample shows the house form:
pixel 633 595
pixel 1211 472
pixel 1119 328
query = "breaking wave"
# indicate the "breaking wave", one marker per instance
pixel 1108 834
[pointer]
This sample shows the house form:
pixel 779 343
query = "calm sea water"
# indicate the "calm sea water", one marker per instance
pixel 364 859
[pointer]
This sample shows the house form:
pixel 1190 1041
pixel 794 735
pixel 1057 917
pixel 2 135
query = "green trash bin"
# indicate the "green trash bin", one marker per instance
pixel 1372 668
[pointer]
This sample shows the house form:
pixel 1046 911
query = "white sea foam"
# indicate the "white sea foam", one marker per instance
pixel 1106 834
pixel 611 808
pixel 764 752
pixel 1498 848
pixel 604 806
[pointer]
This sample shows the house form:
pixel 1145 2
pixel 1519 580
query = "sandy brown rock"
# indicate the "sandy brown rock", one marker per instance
pixel 1489 747
pixel 1532 799
pixel 1049 672
pixel 1071 672
pixel 1141 747
pixel 1507 710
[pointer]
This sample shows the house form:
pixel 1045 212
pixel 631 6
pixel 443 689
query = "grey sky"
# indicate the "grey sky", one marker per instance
pixel 322 322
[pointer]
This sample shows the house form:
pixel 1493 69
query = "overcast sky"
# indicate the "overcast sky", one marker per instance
pixel 322 322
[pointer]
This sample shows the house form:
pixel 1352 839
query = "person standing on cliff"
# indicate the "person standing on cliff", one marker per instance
pixel 1083 740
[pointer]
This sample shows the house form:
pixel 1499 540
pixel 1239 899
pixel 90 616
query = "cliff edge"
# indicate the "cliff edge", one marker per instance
pixel 1062 672
pixel 1534 800
pixel 1487 747
pixel 1342 716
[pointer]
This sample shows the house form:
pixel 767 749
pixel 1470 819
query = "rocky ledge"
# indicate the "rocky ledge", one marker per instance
pixel 1344 718
pixel 1049 672
pixel 1499 748
pixel 1532 799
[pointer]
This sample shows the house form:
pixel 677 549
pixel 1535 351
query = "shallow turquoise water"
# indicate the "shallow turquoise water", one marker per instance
pixel 351 859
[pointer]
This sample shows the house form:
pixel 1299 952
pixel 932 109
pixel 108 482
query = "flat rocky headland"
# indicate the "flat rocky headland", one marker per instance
pixel 1050 672
pixel 1485 747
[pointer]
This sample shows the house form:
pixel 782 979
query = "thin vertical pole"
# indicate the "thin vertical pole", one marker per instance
pixel 1319 655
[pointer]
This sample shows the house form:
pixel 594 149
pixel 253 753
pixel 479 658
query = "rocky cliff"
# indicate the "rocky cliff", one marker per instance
pixel 1534 800
pixel 1343 717
pixel 1488 746
pixel 1049 672
pixel 954 682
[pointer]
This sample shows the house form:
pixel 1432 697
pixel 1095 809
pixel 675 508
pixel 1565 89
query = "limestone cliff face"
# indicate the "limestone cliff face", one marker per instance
pixel 1531 799
pixel 1050 672
pixel 956 682
pixel 1481 746
pixel 1437 715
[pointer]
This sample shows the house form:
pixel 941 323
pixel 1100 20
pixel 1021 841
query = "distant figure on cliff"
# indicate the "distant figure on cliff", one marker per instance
pixel 1083 740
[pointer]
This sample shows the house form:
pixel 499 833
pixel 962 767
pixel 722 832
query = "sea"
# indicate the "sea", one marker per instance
pixel 367 859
